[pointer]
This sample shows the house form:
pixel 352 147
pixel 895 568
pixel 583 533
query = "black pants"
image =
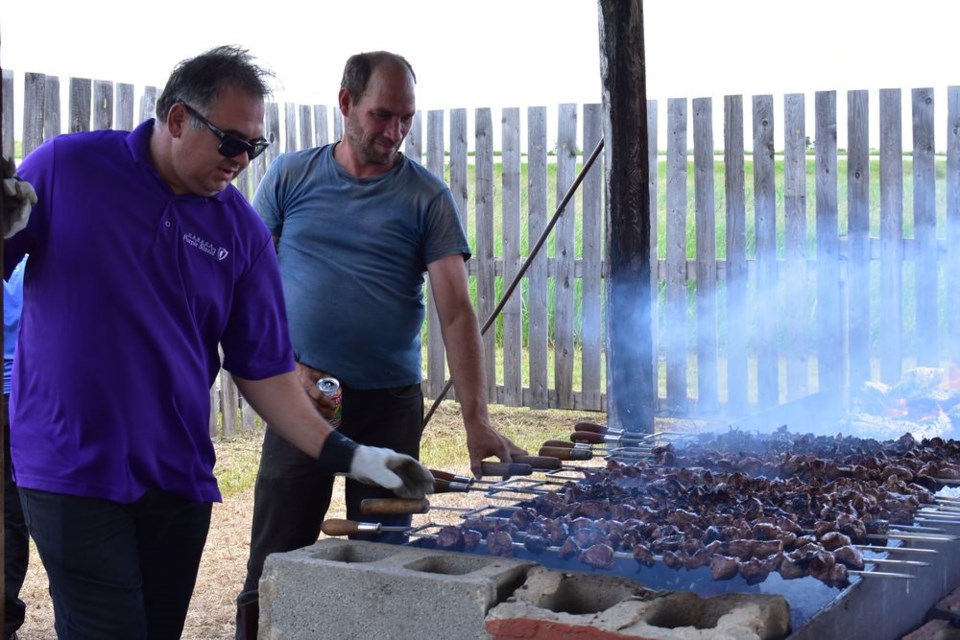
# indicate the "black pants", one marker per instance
pixel 292 495
pixel 16 540
pixel 118 571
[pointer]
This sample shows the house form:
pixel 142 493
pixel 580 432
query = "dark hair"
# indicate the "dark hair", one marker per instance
pixel 198 81
pixel 359 68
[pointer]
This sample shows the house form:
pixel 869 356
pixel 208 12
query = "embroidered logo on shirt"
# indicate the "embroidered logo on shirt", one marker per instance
pixel 195 241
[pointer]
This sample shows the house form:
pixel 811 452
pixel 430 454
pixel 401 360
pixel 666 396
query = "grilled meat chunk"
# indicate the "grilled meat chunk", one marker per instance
pixel 500 543
pixel 599 556
pixel 724 567
pixel 450 538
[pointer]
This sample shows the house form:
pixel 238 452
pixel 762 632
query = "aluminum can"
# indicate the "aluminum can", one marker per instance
pixel 331 388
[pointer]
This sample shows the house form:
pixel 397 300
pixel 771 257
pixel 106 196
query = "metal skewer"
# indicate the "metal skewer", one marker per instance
pixel 403 506
pixel 880 574
pixel 912 563
pixel 599 438
pixel 930 537
pixel 586 425
pixel 586 450
pixel 873 547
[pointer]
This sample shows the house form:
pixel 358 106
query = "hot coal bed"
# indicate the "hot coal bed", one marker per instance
pixel 853 533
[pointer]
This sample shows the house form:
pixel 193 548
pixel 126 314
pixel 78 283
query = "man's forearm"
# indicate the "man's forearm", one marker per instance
pixel 465 359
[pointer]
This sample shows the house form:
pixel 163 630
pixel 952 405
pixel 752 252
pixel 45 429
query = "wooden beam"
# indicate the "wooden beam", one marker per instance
pixel 631 374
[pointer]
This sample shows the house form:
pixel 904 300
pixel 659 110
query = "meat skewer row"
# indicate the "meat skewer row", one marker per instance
pixel 825 566
pixel 769 539
pixel 745 549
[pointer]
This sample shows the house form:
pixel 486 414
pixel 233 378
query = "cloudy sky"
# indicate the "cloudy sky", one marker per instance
pixel 503 53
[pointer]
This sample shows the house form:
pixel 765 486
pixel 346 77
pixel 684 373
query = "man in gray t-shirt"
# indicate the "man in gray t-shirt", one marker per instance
pixel 357 225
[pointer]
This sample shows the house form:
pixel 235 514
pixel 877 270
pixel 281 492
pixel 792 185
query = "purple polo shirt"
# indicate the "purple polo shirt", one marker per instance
pixel 129 292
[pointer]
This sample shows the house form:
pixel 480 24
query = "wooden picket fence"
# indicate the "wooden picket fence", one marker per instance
pixel 783 268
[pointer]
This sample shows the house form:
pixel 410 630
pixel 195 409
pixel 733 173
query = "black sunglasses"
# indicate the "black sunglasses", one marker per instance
pixel 230 145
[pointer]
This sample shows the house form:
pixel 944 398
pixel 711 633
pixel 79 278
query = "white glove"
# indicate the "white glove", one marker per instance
pixel 18 198
pixel 387 468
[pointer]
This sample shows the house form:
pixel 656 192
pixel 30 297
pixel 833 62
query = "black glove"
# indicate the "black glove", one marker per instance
pixel 376 465
pixel 18 198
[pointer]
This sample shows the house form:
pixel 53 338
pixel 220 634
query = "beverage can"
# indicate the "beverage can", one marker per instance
pixel 331 388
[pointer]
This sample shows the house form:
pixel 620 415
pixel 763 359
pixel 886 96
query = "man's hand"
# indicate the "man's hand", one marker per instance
pixel 18 198
pixel 401 473
pixel 484 441
pixel 308 377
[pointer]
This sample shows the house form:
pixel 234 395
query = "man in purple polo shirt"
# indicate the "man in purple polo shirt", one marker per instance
pixel 143 261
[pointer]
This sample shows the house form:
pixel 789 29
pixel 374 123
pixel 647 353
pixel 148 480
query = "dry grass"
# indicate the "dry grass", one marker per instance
pixel 223 566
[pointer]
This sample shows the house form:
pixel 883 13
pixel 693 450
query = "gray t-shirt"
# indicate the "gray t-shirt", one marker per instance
pixel 353 253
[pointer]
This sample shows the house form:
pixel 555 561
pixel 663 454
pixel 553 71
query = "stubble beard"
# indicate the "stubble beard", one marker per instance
pixel 366 149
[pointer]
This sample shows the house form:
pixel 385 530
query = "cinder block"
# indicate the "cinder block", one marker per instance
pixel 352 589
pixel 934 630
pixel 556 605
pixel 948 608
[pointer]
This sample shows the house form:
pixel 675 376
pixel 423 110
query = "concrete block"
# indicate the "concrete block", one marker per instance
pixel 948 608
pixel 934 630
pixel 352 589
pixel 557 605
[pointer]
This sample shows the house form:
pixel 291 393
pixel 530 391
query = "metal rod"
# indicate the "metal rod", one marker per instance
pixel 912 563
pixel 881 574
pixel 909 536
pixel 873 547
pixel 526 265
pixel 915 528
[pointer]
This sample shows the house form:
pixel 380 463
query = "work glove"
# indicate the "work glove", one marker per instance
pixel 375 465
pixel 18 198
pixel 387 468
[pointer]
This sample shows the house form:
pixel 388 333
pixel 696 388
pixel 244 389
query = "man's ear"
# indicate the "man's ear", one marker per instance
pixel 343 98
pixel 177 118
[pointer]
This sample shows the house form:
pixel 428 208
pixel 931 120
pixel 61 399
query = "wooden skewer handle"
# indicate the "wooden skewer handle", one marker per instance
pixel 587 436
pixel 505 469
pixel 340 527
pixel 383 506
pixel 450 477
pixel 442 475
pixel 566 454
pixel 586 425
pixel 539 462
pixel 559 444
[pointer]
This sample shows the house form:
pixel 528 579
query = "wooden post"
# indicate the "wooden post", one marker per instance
pixel 631 379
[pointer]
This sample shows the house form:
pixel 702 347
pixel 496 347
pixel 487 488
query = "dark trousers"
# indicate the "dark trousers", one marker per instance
pixel 292 495
pixel 16 540
pixel 118 571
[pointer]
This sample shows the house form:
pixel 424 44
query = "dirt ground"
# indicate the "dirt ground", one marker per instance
pixel 222 569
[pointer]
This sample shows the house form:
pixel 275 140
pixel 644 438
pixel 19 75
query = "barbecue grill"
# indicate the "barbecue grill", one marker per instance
pixel 908 565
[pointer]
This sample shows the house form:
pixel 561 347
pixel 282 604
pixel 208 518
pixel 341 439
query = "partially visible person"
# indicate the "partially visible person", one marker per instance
pixel 16 540
pixel 18 199
pixel 357 226
pixel 144 262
